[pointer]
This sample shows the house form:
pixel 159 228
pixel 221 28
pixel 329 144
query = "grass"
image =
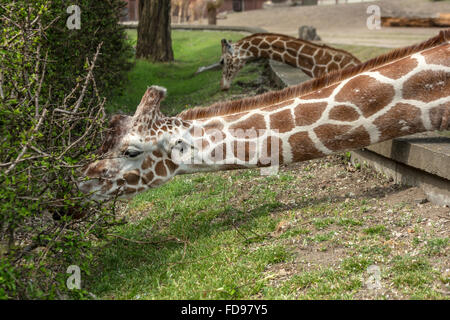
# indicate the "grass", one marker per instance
pixel 310 232
pixel 363 53
pixel 233 236
pixel 196 236
pixel 192 49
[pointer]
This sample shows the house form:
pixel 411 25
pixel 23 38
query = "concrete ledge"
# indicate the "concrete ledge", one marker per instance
pixel 437 189
pixel 426 151
pixel 285 75
pixel 134 25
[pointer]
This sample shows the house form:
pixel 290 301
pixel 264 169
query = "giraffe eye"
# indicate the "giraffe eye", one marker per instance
pixel 221 61
pixel 132 153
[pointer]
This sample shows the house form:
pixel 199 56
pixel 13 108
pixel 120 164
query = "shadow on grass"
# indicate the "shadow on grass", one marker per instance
pixel 182 237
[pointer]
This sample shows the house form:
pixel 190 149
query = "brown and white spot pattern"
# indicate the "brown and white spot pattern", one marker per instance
pixel 400 97
pixel 313 59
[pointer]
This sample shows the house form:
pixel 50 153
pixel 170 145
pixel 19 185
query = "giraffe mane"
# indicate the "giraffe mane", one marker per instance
pixel 301 41
pixel 274 97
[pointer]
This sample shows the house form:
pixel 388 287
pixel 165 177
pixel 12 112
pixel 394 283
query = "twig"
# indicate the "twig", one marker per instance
pixel 41 80
pixel 210 67
pixel 240 233
pixel 25 147
pixel 88 78
pixel 5 164
pixel 86 132
pixel 2 95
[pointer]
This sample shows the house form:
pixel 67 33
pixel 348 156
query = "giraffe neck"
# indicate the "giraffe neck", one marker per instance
pixel 313 59
pixel 406 96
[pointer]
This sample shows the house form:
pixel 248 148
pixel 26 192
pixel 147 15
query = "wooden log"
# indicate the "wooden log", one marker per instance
pixel 441 20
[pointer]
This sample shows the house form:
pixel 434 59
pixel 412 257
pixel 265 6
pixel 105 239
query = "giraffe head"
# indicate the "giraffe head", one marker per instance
pixel 137 152
pixel 231 63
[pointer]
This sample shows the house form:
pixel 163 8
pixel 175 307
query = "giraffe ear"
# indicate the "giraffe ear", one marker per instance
pixel 226 46
pixel 150 100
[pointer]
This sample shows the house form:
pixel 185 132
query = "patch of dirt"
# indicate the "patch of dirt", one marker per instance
pixel 409 223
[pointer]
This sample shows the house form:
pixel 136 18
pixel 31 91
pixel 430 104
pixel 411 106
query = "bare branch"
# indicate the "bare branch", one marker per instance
pixel 88 78
pixel 25 147
pixel 213 66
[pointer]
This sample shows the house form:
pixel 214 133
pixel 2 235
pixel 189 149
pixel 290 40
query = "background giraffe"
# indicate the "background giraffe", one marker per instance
pixel 396 94
pixel 181 6
pixel 192 10
pixel 313 59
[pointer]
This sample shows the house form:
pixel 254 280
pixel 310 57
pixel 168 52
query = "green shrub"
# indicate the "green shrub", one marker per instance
pixel 68 49
pixel 51 115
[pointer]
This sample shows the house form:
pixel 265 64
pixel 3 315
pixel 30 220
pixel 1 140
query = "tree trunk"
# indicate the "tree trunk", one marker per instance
pixel 212 16
pixel 154 40
pixel 211 8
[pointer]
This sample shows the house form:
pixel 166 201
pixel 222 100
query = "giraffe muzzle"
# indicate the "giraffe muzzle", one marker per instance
pixel 224 87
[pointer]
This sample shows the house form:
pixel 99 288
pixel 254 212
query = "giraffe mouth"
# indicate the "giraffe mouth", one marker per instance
pixel 224 87
pixel 93 188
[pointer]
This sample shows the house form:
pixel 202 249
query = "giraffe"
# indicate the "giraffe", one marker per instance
pixel 197 9
pixel 400 93
pixel 182 6
pixel 313 59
